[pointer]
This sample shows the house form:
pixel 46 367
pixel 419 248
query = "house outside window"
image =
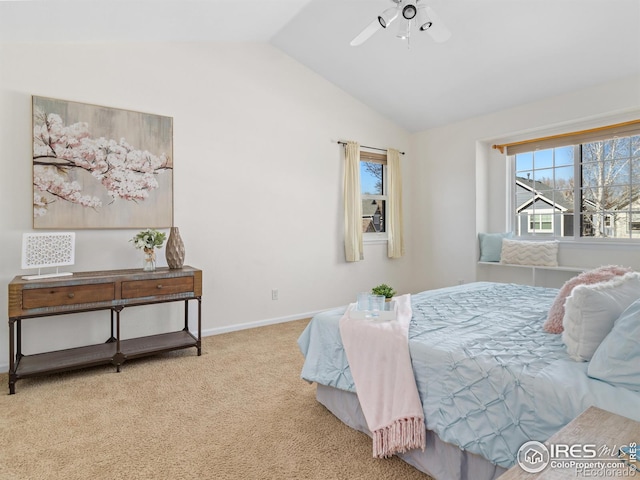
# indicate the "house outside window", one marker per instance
pixel 373 173
pixel 587 190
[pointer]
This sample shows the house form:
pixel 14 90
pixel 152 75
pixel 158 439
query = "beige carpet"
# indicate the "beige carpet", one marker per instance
pixel 239 411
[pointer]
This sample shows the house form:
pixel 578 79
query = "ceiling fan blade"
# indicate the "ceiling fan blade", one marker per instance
pixel 369 30
pixel 438 31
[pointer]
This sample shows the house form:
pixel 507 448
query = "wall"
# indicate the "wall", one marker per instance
pixel 460 183
pixel 257 180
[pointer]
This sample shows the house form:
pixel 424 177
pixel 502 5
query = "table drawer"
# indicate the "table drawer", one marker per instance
pixel 156 287
pixel 71 295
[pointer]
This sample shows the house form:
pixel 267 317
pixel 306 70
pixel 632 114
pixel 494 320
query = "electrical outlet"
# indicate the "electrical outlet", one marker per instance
pixel 460 282
pixel 274 294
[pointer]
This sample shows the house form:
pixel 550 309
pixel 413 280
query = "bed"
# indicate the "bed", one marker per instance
pixel 489 377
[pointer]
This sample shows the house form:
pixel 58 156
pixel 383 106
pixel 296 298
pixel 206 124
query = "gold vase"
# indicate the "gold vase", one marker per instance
pixel 175 249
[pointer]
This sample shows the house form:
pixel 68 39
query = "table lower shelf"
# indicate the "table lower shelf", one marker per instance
pixel 164 342
pixel 102 354
pixel 62 360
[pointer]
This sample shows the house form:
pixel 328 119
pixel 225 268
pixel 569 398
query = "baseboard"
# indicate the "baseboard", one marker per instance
pixel 259 323
pixel 4 367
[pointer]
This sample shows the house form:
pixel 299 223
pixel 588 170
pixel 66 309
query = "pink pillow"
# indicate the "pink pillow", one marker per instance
pixel 600 274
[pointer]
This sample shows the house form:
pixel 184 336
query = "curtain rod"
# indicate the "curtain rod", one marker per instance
pixel 370 148
pixel 501 148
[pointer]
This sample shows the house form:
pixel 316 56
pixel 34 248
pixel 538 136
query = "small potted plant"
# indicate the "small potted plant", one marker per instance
pixel 148 240
pixel 384 289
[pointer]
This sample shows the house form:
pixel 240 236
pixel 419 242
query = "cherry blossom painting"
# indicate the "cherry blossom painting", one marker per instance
pixel 100 167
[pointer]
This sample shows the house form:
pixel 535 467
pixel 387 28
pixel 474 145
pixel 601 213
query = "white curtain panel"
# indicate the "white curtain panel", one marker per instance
pixel 352 203
pixel 395 229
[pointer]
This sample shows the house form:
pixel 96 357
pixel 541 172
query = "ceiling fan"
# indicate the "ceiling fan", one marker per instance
pixel 409 12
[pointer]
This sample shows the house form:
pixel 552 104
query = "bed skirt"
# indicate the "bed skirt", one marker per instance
pixel 441 460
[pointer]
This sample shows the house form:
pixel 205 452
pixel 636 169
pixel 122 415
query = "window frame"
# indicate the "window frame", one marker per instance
pixel 514 224
pixel 380 158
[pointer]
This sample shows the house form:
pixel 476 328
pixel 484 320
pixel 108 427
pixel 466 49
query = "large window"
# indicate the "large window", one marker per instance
pixel 373 170
pixel 590 189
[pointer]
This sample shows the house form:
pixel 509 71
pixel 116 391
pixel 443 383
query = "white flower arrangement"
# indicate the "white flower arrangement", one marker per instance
pixel 148 239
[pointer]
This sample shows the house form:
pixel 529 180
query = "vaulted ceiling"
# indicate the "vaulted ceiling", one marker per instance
pixel 502 53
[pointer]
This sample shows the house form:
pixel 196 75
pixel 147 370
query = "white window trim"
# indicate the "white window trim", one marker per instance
pixel 375 238
pixel 372 238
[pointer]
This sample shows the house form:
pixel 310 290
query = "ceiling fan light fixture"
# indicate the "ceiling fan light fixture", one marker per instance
pixel 412 11
pixel 388 16
pixel 409 11
pixel 404 30
pixel 422 20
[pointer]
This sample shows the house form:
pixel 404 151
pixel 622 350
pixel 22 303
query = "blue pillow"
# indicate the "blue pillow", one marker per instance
pixel 491 245
pixel 617 358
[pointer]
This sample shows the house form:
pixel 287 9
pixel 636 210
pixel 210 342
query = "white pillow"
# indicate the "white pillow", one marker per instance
pixel 521 252
pixel 591 310
pixel 617 359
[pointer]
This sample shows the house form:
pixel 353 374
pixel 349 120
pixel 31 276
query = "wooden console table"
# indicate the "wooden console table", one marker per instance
pixel 92 291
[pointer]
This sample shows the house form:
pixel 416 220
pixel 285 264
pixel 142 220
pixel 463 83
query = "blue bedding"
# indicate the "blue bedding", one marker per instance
pixel 489 377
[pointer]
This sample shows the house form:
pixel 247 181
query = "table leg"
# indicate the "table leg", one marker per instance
pixel 118 357
pixel 199 325
pixel 12 373
pixel 112 338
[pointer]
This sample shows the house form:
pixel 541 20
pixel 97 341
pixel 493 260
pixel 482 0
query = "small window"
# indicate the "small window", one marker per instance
pixel 541 223
pixel 373 170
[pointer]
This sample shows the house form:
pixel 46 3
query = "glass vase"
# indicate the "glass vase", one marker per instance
pixel 149 260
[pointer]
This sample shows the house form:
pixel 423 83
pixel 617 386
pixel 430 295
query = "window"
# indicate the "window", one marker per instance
pixel 590 189
pixel 540 222
pixel 543 186
pixel 373 185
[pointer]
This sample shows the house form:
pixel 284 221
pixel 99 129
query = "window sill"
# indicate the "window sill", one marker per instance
pixel 560 268
pixel 374 239
pixel 585 241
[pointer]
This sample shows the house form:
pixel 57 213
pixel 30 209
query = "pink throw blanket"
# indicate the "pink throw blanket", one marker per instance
pixel 378 355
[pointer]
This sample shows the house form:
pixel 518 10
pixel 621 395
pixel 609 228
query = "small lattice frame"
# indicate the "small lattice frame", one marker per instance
pixel 48 249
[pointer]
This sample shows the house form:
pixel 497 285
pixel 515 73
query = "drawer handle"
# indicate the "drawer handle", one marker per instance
pixel 71 295
pixel 159 287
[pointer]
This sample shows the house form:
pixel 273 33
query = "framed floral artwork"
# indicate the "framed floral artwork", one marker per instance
pixel 100 167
